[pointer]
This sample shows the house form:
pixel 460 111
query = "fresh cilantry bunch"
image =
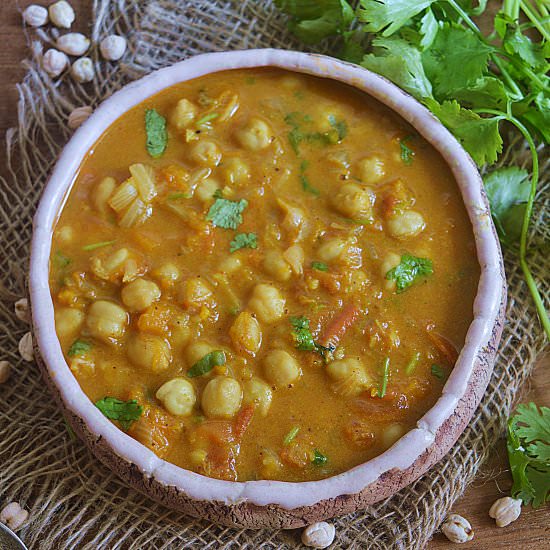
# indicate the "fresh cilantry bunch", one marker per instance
pixel 470 80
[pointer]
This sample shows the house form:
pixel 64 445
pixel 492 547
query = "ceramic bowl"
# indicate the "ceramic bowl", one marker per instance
pixel 256 504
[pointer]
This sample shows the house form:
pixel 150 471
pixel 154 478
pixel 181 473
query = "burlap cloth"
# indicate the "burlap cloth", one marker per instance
pixel 74 501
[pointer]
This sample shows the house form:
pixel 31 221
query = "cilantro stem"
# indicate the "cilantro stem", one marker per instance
pixel 526 8
pixel 539 304
pixel 386 375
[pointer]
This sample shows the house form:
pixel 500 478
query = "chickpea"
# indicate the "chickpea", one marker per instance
pixel 195 292
pixel 205 190
pixel 168 274
pixel 68 322
pixel 177 396
pixel 140 294
pixel 281 368
pixel 371 170
pixel 390 261
pixel 276 266
pixel 196 351
pixel 392 433
pixel 101 194
pixel 106 321
pixel 222 397
pixel 354 201
pixel 181 332
pixel 331 250
pixel 255 135
pixel 267 303
pixel 149 352
pixel 294 222
pixel 236 172
pixel 231 264
pixel 408 223
pixel 349 376
pixel 295 258
pixel 206 152
pixel 65 234
pixel 246 333
pixel 258 392
pixel 184 114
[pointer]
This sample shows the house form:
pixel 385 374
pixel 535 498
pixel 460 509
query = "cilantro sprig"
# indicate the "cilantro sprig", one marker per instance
pixel 303 338
pixel 243 240
pixel 409 270
pixel 157 135
pixel 529 453
pixel 227 214
pixel 473 82
pixel 125 412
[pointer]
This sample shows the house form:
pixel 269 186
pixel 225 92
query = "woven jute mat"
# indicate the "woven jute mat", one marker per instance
pixel 74 501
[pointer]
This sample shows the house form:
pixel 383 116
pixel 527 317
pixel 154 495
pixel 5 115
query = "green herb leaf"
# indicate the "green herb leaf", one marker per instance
pixel 157 136
pixel 207 118
pixel 456 59
pixel 479 136
pixel 411 365
pixel 306 185
pixel 538 116
pixel 409 271
pixel 178 196
pixel 508 191
pixel 389 15
pixel 125 412
pixel 243 240
pixel 400 62
pixel 303 339
pixel 319 459
pixel 79 347
pixel 289 437
pixel 207 363
pixel 227 214
pixel 319 266
pixel 61 261
pixel 428 29
pixel 532 54
pixel 95 246
pixel 385 378
pixel 486 92
pixel 529 454
pixel 438 372
pixel 407 154
pixel 340 126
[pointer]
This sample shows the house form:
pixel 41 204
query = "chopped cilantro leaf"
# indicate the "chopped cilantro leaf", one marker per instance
pixel 95 246
pixel 157 136
pixel 227 214
pixel 407 154
pixel 218 194
pixel 207 118
pixel 79 348
pixel 207 363
pixel 125 412
pixel 319 458
pixel 340 126
pixel 385 378
pixel 438 372
pixel 306 185
pixel 303 338
pixel 177 196
pixel 291 435
pixel 411 365
pixel 319 266
pixel 243 240
pixel 61 261
pixel 409 271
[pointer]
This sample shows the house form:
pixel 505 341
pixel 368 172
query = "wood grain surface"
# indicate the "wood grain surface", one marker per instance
pixel 530 531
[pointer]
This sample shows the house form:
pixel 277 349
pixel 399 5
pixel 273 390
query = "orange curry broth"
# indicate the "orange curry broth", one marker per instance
pixel 311 170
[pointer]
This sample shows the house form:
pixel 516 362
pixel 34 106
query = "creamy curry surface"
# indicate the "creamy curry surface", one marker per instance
pixel 263 275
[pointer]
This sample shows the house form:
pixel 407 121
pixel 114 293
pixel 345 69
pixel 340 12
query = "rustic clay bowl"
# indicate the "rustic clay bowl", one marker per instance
pixel 256 504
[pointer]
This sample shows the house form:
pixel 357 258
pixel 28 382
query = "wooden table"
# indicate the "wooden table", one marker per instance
pixel 532 530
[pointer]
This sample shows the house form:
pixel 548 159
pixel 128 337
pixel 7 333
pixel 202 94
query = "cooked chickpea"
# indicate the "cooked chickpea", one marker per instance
pixel 390 261
pixel 195 292
pixel 206 152
pixel 294 222
pixel 295 257
pixel 205 190
pixel 258 392
pixel 371 170
pixel 222 397
pixel 101 194
pixel 392 433
pixel 231 264
pixel 168 274
pixel 140 294
pixel 349 376
pixel 246 333
pixel 184 114
pixel 331 250
pixel 181 332
pixel 255 135
pixel 408 223
pixel 177 396
pixel 196 351
pixel 68 322
pixel 106 321
pixel 280 368
pixel 267 303
pixel 276 266
pixel 65 234
pixel 149 352
pixel 236 172
pixel 354 201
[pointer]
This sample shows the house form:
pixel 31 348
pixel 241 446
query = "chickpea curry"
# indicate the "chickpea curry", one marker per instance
pixel 263 275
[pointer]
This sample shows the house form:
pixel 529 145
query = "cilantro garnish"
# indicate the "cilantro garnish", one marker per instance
pixel 409 271
pixel 95 246
pixel 207 118
pixel 303 338
pixel 61 261
pixel 243 240
pixel 385 378
pixel 207 363
pixel 291 435
pixel 79 348
pixel 319 458
pixel 157 136
pixel 227 214
pixel 407 154
pixel 438 372
pixel 125 412
pixel 340 126
pixel 304 180
pixel 319 266
pixel 529 453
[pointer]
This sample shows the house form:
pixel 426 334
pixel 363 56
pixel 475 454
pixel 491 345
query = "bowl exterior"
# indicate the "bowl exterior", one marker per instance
pixel 258 504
